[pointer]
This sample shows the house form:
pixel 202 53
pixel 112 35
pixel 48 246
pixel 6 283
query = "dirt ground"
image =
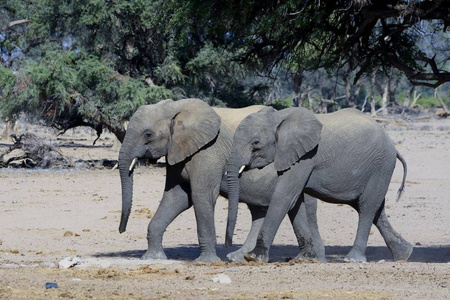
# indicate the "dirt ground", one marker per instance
pixel 48 215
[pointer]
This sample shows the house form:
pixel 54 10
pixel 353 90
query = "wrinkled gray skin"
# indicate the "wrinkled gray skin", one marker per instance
pixel 256 188
pixel 342 157
pixel 196 141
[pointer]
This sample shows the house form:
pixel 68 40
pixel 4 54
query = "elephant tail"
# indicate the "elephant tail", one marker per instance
pixel 402 186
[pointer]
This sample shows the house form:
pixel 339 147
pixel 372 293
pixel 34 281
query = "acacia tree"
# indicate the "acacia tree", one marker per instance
pixel 206 49
pixel 137 52
pixel 66 90
pixel 360 35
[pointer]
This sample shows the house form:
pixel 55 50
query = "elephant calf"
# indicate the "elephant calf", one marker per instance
pixel 341 157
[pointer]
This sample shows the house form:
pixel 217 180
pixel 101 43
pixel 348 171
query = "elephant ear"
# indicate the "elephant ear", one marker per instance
pixel 165 102
pixel 298 133
pixel 194 125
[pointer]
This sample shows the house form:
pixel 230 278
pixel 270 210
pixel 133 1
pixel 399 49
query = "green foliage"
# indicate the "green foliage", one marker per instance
pixel 281 104
pixel 428 102
pixel 93 62
pixel 432 102
pixel 7 82
pixel 68 89
pixel 216 77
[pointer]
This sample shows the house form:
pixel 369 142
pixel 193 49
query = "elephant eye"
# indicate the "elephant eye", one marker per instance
pixel 148 135
pixel 255 143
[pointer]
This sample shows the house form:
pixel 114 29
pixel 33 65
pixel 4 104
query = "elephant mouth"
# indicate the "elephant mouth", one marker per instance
pixel 152 161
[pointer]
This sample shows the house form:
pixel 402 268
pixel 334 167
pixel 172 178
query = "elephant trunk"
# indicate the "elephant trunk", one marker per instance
pixel 233 170
pixel 126 178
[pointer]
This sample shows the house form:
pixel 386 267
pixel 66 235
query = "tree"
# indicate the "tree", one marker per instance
pixel 214 49
pixel 360 35
pixel 66 90
pixel 155 44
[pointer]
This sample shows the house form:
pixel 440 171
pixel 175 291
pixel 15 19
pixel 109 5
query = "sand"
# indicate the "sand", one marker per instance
pixel 48 215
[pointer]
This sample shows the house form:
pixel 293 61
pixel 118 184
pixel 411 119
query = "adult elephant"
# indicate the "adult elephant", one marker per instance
pixel 341 157
pixel 196 141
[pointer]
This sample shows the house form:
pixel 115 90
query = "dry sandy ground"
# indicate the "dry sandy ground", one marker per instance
pixel 47 215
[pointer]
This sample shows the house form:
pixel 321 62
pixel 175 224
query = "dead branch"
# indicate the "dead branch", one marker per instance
pixel 437 96
pixel 17 22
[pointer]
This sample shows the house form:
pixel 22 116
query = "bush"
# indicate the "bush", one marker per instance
pixel 428 102
pixel 281 104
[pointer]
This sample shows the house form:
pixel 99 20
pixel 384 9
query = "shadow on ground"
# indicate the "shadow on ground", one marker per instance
pixel 281 253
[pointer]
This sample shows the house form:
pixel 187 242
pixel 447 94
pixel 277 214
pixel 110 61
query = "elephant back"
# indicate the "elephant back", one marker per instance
pixel 232 117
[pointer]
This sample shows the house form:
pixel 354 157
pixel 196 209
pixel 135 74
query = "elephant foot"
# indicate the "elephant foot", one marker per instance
pixel 309 253
pixel 151 254
pixel 207 258
pixel 355 257
pixel 236 256
pixel 308 256
pixel 402 252
pixel 254 257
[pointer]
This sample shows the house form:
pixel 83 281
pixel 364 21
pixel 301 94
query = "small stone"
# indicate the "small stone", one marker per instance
pixel 48 264
pixel 381 261
pixel 76 279
pixel 221 278
pixel 51 285
pixel 69 262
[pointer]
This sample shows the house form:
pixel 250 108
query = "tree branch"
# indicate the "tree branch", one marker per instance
pixel 17 22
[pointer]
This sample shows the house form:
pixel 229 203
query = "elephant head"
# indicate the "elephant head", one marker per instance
pixel 282 137
pixel 175 129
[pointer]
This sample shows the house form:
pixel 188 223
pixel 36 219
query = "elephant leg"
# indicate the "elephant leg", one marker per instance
pixel 367 206
pixel 204 202
pixel 287 191
pixel 303 217
pixel 258 213
pixel 311 214
pixel 173 203
pixel 358 251
pixel 399 247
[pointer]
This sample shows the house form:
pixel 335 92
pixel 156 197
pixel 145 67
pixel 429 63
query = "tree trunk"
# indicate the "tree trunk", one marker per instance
pixel 416 97
pixel 8 129
pixel 372 92
pixel 444 106
pixel 297 80
pixel 392 89
pixel 384 100
pixel 408 96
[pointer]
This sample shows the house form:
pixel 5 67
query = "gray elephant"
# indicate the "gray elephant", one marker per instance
pixel 196 141
pixel 341 157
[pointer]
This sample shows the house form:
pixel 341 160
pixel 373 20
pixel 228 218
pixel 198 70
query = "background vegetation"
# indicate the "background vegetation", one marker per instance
pixel 93 62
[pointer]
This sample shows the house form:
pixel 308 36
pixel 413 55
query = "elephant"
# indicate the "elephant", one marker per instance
pixel 341 157
pixel 196 141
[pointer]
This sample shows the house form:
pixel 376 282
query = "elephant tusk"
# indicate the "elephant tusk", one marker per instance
pixel 242 169
pixel 133 163
pixel 115 166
